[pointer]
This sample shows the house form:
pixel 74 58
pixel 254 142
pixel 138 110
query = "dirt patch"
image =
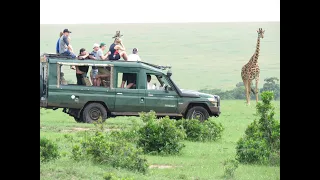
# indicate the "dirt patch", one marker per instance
pixel 161 166
pixel 80 129
pixel 76 129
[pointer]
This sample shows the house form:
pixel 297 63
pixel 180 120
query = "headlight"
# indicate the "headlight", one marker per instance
pixel 211 100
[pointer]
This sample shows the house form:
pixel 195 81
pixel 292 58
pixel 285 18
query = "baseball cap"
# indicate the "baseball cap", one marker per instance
pixel 135 50
pixel 66 30
pixel 82 49
pixel 102 44
pixel 95 45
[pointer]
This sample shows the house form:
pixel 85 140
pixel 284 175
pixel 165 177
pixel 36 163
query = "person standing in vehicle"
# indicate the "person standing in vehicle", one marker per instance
pixel 103 73
pixel 94 72
pixel 134 56
pixel 129 77
pixel 81 71
pixel 117 50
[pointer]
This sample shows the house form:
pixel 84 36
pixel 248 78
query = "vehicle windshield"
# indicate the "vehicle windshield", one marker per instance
pixel 164 80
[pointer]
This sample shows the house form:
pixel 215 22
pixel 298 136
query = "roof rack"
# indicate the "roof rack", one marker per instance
pixel 59 56
pixel 156 66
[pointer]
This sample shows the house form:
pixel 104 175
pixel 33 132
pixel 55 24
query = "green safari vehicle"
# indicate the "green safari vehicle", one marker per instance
pixel 87 103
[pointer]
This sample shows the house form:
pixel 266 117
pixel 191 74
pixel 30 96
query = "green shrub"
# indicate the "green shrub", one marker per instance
pixel 129 134
pixel 146 117
pixel 127 156
pixel 160 136
pixel 48 150
pixel 261 142
pixel 252 151
pixel 198 131
pixel 230 166
pixel 117 154
pixel 111 176
pixel 76 154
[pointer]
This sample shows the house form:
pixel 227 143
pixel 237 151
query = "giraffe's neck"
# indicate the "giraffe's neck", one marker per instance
pixel 254 59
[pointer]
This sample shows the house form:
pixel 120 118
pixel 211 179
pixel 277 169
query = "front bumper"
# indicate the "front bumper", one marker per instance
pixel 215 111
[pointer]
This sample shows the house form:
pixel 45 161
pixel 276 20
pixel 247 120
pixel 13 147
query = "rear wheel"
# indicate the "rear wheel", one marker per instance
pixel 198 112
pixel 93 111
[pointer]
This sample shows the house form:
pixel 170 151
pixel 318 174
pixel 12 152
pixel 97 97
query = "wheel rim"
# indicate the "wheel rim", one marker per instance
pixel 94 113
pixel 198 115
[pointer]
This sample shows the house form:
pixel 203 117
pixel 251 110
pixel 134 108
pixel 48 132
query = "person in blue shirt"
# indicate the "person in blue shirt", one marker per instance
pixel 65 47
pixel 58 43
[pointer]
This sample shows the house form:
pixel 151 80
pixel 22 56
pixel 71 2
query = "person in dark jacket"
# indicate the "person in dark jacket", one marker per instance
pixel 117 50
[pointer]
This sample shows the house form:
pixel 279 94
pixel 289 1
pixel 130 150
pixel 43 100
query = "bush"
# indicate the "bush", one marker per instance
pixel 230 166
pixel 117 154
pixel 261 142
pixel 48 150
pixel 111 176
pixel 197 131
pixel 160 136
pixel 129 134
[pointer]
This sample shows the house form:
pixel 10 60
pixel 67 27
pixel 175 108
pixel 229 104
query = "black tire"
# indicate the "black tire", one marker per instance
pixel 79 120
pixel 198 111
pixel 93 111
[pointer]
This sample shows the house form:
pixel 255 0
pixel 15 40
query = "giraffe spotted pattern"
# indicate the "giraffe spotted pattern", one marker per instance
pixel 251 70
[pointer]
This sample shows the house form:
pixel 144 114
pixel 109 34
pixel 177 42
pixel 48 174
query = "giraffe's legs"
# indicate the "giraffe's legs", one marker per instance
pixel 257 90
pixel 249 91
pixel 245 83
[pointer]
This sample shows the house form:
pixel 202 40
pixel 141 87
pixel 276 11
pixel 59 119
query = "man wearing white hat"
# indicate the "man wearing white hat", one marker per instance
pixel 94 71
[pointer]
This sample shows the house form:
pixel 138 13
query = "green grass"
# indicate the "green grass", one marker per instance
pixel 203 55
pixel 197 161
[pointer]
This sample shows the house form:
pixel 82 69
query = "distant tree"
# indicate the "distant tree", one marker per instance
pixel 271 84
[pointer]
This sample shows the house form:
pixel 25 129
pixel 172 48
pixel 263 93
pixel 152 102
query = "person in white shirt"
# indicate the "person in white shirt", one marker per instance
pixel 134 56
pixel 149 84
pixel 129 77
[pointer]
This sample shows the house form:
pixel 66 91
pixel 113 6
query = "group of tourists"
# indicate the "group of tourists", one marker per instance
pixel 97 74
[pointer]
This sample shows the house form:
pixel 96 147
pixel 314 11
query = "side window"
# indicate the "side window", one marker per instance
pixel 91 76
pixel 127 80
pixel 157 82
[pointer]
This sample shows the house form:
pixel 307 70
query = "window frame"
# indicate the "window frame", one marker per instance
pixel 59 64
pixel 117 79
pixel 163 76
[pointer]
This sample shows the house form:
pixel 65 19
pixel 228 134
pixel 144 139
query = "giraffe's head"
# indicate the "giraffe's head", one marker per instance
pixel 260 33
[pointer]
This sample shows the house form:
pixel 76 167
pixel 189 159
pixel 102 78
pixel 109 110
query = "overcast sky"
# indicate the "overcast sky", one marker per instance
pixel 157 11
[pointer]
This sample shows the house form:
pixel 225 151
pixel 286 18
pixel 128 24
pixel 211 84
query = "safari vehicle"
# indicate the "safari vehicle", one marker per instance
pixel 86 103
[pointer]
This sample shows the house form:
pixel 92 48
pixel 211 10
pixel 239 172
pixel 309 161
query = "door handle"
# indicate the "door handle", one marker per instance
pixel 150 94
pixel 119 93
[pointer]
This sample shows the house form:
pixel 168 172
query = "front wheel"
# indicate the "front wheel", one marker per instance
pixel 93 111
pixel 198 112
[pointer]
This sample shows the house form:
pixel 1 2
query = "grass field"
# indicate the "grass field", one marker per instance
pixel 202 161
pixel 203 55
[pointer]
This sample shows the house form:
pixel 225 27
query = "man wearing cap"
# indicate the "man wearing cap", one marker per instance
pixel 100 52
pixel 134 56
pixel 64 47
pixel 102 71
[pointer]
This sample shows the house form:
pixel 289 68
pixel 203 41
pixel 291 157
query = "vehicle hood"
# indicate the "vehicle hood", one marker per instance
pixel 202 95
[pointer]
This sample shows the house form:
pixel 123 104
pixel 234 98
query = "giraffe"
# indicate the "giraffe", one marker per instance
pixel 251 70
